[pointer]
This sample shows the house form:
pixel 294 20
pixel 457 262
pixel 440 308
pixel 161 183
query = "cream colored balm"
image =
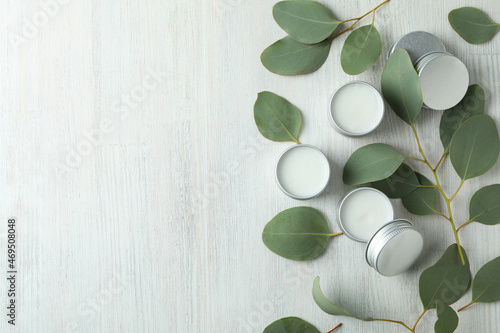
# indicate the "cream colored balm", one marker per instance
pixel 363 211
pixel 356 109
pixel 302 171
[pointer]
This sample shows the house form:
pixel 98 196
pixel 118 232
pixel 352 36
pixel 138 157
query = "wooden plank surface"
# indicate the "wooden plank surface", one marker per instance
pixel 141 185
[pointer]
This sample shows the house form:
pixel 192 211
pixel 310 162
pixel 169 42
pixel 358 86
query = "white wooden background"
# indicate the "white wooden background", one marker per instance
pixel 155 225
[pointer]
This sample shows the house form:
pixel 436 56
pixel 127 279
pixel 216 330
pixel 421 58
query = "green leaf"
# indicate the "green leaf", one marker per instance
pixel 471 105
pixel 371 163
pixel 401 86
pixel 290 325
pixel 475 147
pixel 277 119
pixel 298 233
pixel 446 281
pixel 325 305
pixel 290 57
pixel 485 205
pixel 486 285
pixel 423 200
pixel 308 22
pixel 361 49
pixel 401 183
pixel 473 25
pixel 447 319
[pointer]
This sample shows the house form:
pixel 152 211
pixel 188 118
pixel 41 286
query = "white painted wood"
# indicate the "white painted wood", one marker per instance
pixel 158 227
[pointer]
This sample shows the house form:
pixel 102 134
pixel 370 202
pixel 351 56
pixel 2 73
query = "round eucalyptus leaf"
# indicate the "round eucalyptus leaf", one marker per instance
pixel 298 233
pixel 486 285
pixel 422 201
pixel 290 325
pixel 277 119
pixel 372 163
pixel 401 86
pixel 290 57
pixel 485 205
pixel 447 319
pixel 400 184
pixel 325 305
pixel 361 49
pixel 473 24
pixel 471 105
pixel 309 22
pixel 475 147
pixel 446 281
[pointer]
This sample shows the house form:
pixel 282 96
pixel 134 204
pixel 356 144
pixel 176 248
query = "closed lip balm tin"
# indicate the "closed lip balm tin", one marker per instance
pixel 394 248
pixel 417 43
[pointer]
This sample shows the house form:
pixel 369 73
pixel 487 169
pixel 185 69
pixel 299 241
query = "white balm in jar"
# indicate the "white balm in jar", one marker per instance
pixel 356 109
pixel 302 172
pixel 366 215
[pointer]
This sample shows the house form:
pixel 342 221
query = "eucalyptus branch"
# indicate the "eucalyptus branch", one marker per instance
pixel 357 19
pixel 330 331
pixel 465 307
pixel 440 188
pixel 396 322
pixel 418 320
pixel 440 161
pixel 463 225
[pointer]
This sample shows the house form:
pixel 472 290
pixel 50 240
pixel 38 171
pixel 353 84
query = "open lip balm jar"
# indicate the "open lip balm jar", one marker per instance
pixel 302 172
pixel 356 109
pixel 366 215
pixel 443 77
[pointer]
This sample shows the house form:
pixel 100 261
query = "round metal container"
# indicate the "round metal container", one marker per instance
pixel 417 43
pixel 294 196
pixel 340 129
pixel 339 211
pixel 444 79
pixel 394 248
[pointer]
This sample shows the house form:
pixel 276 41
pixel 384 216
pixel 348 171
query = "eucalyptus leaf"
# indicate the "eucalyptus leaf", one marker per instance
pixel 309 22
pixel 325 305
pixel 401 86
pixel 371 163
pixel 475 147
pixel 290 57
pixel 473 25
pixel 361 49
pixel 485 205
pixel 298 233
pixel 277 119
pixel 290 325
pixel 447 319
pixel 446 281
pixel 486 285
pixel 401 183
pixel 422 201
pixel 471 105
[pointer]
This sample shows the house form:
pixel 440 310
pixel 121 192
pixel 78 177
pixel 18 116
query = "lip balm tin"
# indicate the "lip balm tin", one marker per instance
pixel 443 77
pixel 302 172
pixel 362 109
pixel 393 245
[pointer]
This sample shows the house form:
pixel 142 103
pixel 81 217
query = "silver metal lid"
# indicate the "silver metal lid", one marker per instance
pixel 444 80
pixel 376 227
pixel 417 43
pixel 340 129
pixel 294 196
pixel 394 248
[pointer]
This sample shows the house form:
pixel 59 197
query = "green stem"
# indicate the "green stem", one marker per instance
pixel 454 195
pixel 337 234
pixel 415 326
pixel 465 307
pixel 357 19
pixel 335 328
pixel 440 188
pixel 463 225
pixel 440 161
pixel 396 322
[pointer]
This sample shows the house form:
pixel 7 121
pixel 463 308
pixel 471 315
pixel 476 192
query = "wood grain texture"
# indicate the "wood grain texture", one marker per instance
pixel 156 226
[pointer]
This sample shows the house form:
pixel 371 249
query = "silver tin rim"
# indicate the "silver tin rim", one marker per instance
pixel 435 38
pixel 380 239
pixel 341 130
pixel 291 195
pixel 341 202
pixel 426 59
